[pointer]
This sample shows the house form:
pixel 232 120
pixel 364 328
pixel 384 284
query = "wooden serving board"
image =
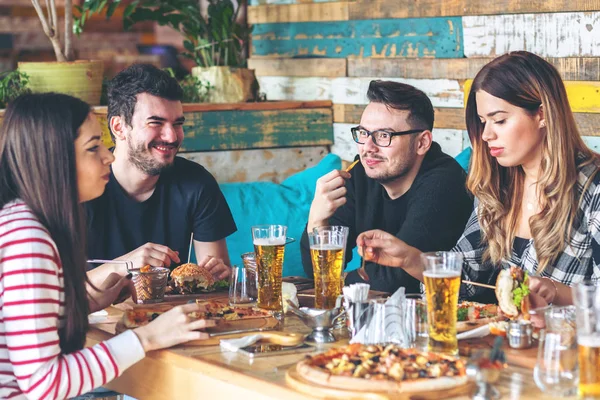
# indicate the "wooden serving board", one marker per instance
pixel 297 382
pixel 519 357
pixel 222 326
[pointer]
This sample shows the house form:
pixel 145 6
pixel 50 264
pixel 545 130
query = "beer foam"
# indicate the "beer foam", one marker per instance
pixel 269 241
pixel 441 274
pixel 589 340
pixel 325 247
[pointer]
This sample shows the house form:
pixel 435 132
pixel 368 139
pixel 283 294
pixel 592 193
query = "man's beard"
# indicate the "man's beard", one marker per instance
pixel 399 171
pixel 140 157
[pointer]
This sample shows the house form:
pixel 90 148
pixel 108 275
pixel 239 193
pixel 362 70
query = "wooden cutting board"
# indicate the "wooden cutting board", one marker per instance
pixel 519 357
pixel 293 379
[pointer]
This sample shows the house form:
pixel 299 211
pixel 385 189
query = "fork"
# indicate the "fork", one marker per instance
pixel 361 271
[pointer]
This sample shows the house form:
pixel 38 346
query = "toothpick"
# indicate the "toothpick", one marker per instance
pixel 190 250
pixel 479 284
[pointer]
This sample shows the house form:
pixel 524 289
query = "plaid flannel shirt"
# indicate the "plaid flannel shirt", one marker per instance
pixel 579 261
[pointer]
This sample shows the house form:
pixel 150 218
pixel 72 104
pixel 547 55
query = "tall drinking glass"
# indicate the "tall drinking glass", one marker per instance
pixel 327 245
pixel 442 284
pixel 269 244
pixel 586 296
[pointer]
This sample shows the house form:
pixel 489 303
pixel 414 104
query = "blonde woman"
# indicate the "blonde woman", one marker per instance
pixel 535 182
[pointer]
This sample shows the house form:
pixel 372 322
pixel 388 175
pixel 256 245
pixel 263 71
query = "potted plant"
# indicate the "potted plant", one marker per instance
pixel 216 42
pixel 12 85
pixel 78 78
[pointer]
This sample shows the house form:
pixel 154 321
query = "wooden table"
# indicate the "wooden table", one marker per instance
pixel 192 372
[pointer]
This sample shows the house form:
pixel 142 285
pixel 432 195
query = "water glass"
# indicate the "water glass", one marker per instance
pixel 416 330
pixel 242 285
pixel 556 371
pixel 586 296
pixel 442 283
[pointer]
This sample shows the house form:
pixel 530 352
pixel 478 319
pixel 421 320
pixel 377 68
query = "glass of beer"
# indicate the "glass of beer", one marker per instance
pixel 586 296
pixel 442 284
pixel 269 244
pixel 327 246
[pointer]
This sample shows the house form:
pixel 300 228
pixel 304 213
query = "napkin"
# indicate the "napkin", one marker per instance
pixel 384 324
pixel 289 292
pixel 474 333
pixel 238 343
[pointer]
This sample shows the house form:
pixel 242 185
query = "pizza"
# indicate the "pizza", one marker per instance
pixel 211 310
pixel 387 368
pixel 471 314
pixel 218 310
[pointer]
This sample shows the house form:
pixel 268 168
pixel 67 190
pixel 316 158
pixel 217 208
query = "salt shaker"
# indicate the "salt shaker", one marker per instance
pixel 520 334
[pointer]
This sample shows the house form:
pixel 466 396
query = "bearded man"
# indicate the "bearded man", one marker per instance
pixel 154 200
pixel 404 185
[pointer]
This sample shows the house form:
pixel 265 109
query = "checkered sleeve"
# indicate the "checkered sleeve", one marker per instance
pixel 593 219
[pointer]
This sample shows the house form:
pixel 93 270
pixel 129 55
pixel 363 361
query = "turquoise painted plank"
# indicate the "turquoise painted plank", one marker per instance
pixel 409 37
pixel 231 130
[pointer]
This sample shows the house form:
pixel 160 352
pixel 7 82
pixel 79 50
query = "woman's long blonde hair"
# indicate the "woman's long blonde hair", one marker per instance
pixel 527 81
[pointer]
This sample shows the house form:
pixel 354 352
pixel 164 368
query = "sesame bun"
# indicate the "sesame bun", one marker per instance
pixel 189 278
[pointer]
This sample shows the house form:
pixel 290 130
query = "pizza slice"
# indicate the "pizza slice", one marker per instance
pixel 218 310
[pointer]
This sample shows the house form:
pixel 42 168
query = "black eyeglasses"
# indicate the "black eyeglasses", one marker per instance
pixel 380 138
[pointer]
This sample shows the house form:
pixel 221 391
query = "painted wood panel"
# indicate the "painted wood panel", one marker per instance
pixel 429 37
pixel 445 118
pixel 363 9
pixel 322 11
pixel 588 123
pixel 550 35
pixel 231 130
pixel 570 68
pixel 593 142
pixel 271 165
pixel 584 97
pixel 325 67
pixel 451 141
pixel 442 92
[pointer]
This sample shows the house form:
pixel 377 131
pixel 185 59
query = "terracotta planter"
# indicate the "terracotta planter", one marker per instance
pixel 81 79
pixel 228 85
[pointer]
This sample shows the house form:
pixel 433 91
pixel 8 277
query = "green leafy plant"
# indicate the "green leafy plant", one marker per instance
pixel 12 85
pixel 195 90
pixel 216 39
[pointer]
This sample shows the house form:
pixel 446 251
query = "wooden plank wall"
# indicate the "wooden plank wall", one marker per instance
pixel 331 50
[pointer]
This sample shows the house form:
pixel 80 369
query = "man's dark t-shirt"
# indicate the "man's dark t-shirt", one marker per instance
pixel 186 198
pixel 430 216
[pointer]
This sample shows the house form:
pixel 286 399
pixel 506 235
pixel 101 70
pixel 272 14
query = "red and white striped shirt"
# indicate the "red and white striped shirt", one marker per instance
pixel 32 309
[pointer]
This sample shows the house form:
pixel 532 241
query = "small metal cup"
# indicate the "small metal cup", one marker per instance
pixel 150 286
pixel 520 334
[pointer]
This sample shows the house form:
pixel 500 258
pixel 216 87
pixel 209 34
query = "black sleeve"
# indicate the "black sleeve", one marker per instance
pixel 343 216
pixel 212 217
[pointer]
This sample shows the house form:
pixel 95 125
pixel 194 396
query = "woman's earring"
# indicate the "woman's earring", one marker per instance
pixel 543 124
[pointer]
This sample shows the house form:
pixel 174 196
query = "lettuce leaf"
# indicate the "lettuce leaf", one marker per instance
pixel 521 292
pixel 223 283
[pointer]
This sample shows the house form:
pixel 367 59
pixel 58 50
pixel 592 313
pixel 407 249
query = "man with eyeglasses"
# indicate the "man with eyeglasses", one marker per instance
pixel 404 185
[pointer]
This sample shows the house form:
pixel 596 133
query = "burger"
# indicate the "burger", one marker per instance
pixel 512 292
pixel 192 278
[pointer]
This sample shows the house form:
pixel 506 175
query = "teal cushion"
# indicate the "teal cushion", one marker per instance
pixel 464 158
pixel 256 203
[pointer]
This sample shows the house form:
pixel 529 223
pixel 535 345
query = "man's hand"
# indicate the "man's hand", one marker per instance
pixel 216 267
pixel 115 289
pixel 152 254
pixel 330 195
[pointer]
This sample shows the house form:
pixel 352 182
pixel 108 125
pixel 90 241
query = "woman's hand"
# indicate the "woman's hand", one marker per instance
pixel 386 249
pixel 173 327
pixel 116 288
pixel 544 288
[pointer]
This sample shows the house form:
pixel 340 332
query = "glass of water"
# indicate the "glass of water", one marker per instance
pixel 556 372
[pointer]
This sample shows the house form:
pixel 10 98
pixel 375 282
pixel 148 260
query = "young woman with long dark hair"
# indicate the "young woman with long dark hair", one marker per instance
pixel 52 160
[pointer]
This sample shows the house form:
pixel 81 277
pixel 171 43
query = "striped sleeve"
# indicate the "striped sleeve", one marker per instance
pixel 32 310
